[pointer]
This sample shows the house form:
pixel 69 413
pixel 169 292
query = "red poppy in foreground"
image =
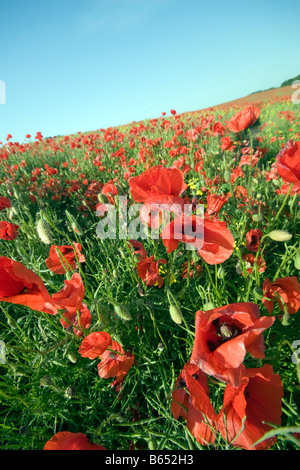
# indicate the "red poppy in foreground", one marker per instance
pixel 115 362
pixel 212 239
pixel 65 440
pixel 158 185
pixel 288 163
pixel 257 401
pixel 244 119
pixel 94 344
pixel 190 400
pixel 19 285
pixel 286 291
pixel 148 271
pixel 70 297
pixel 63 258
pixel 8 231
pixel 223 335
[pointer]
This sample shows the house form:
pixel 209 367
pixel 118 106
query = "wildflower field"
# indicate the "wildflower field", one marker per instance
pixel 113 338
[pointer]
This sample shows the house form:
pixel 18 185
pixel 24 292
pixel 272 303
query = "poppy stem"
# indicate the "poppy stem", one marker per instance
pixel 283 203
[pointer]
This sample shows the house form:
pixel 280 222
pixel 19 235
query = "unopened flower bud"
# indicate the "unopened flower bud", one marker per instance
pixel 175 314
pixel 43 231
pixel 122 312
pixel 280 235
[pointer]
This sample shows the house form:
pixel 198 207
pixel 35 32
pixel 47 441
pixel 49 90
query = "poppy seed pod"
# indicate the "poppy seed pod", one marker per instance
pixel 280 235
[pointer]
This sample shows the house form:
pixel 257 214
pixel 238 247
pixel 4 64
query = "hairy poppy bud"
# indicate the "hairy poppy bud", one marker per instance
pixel 102 198
pixel 208 306
pixel 297 261
pixel 152 445
pixel 280 235
pixel 72 357
pixel 43 231
pixel 175 314
pixel 74 224
pixel 122 312
pixel 257 217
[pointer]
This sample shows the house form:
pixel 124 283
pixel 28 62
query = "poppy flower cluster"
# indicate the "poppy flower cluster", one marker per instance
pixel 223 336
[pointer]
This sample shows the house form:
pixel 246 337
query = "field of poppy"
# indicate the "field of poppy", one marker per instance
pixel 184 339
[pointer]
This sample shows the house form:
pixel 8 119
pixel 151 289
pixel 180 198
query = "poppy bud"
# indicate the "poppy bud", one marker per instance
pixel 297 261
pixel 70 392
pixel 74 224
pixel 280 235
pixel 43 231
pixel 258 293
pixel 102 198
pixel 160 346
pixel 122 312
pixel 208 306
pixel 175 314
pixel 227 176
pixel 46 381
pixel 152 445
pixel 257 217
pixel 12 322
pixel 72 357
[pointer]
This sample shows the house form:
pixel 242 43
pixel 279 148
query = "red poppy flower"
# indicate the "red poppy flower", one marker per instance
pixel 190 400
pixel 109 190
pixel 94 344
pixel 148 271
pixel 158 185
pixel 253 238
pixel 65 440
pixel 69 319
pixel 115 362
pixel 227 144
pixel 19 285
pixel 8 231
pixel 138 248
pixel 286 291
pixel 211 238
pixel 195 269
pixel 249 258
pixel 60 265
pixel 244 119
pixel 288 163
pixel 70 297
pixel 224 335
pixel 215 203
pixel 4 203
pixel 258 399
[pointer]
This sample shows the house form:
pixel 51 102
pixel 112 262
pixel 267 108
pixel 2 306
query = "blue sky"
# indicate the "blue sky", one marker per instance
pixel 82 65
